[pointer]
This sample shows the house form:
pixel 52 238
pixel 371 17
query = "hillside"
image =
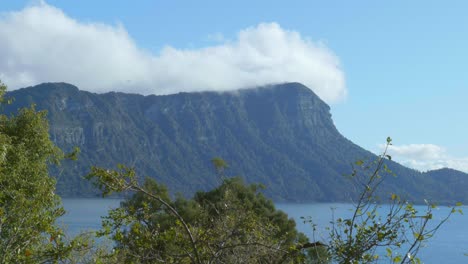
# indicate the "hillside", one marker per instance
pixel 281 136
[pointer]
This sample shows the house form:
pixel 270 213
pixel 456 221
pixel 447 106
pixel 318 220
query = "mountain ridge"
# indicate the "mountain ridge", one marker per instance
pixel 280 135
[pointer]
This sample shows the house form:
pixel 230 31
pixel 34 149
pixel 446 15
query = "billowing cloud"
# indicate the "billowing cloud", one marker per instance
pixel 42 44
pixel 425 157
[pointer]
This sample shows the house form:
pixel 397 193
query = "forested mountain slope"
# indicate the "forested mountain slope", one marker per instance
pixel 281 136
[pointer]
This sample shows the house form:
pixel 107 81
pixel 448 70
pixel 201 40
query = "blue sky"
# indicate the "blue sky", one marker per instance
pixel 391 68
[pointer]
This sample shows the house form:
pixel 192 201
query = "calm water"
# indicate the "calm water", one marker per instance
pixel 85 214
pixel 447 246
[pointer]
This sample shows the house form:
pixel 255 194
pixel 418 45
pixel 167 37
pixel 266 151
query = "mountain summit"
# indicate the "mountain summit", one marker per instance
pixel 281 136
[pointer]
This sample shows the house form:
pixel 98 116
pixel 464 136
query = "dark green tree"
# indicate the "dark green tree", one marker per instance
pixel 234 223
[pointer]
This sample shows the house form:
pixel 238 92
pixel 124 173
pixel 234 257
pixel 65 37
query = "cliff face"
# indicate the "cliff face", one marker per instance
pixel 281 136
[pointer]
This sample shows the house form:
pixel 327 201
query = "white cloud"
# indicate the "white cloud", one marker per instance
pixel 418 151
pixel 42 44
pixel 425 157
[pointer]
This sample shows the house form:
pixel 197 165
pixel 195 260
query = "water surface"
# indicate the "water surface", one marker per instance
pixel 447 246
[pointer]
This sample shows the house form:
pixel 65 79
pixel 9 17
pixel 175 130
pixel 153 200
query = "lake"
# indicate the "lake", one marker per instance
pixel 447 246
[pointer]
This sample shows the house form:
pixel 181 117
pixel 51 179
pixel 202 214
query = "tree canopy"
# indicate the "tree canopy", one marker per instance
pixel 233 223
pixel 29 206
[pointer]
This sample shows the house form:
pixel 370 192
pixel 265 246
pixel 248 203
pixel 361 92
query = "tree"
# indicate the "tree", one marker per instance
pixel 28 203
pixel 399 232
pixel 234 223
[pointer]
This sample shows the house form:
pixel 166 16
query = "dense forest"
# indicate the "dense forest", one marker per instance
pixel 281 136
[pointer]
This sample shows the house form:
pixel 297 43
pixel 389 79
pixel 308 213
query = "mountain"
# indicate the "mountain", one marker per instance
pixel 281 136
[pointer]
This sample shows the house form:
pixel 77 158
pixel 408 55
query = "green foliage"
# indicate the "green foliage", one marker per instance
pixel 28 203
pixel 219 163
pixel 401 229
pixel 233 223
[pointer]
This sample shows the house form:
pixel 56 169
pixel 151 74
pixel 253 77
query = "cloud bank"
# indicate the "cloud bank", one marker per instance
pixel 42 44
pixel 426 157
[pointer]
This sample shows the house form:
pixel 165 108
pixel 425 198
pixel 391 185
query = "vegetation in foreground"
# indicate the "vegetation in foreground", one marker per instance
pixel 29 206
pixel 234 223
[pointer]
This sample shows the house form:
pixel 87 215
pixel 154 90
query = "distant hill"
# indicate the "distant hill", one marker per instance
pixel 281 136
